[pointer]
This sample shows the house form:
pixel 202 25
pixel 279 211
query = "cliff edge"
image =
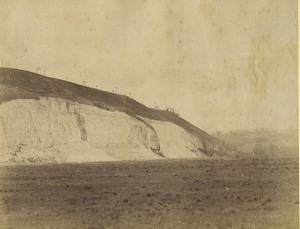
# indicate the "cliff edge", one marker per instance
pixel 44 119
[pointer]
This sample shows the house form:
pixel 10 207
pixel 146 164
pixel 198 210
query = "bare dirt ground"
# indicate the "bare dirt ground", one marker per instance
pixel 214 193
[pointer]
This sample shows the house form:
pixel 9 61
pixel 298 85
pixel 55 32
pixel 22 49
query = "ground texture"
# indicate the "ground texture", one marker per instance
pixel 211 193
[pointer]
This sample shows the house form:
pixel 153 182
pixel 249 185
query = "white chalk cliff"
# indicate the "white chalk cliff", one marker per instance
pixel 49 120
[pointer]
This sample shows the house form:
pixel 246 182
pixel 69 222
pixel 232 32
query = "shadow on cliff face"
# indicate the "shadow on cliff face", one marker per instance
pixel 81 125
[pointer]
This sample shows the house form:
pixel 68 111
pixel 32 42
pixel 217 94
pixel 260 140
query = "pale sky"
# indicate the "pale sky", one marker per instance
pixel 221 64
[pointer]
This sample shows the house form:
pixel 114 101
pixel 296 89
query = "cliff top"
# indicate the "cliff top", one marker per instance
pixel 20 84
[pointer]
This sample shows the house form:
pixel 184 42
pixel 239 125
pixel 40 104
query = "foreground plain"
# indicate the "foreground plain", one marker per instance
pixel 212 193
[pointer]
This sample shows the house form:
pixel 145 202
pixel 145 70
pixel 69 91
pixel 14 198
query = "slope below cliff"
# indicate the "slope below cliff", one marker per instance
pixel 49 120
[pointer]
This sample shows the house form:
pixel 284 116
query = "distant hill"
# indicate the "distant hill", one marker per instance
pixel 46 119
pixel 261 142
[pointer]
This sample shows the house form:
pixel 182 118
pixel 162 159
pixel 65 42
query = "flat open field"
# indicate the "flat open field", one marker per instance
pixel 213 193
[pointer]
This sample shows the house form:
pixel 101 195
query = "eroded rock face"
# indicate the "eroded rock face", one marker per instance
pixel 58 130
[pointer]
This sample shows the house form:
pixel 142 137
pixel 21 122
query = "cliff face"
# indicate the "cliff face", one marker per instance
pixel 48 120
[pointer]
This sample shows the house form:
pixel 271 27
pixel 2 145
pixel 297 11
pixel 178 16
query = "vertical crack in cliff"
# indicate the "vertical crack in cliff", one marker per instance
pixel 81 125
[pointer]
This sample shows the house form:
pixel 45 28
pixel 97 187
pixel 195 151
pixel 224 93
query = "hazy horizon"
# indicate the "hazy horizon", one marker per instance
pixel 221 65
